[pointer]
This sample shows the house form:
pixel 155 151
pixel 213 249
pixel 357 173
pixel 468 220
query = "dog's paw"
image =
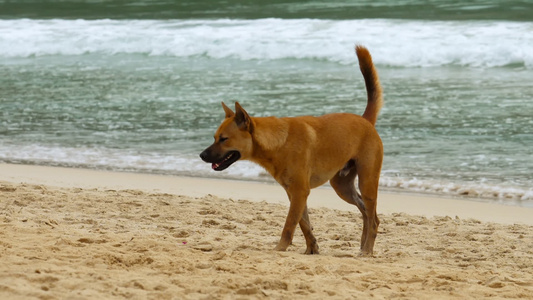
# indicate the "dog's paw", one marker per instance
pixel 312 250
pixel 366 253
pixel 281 247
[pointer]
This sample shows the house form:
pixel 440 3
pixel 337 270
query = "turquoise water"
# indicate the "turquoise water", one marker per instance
pixel 137 85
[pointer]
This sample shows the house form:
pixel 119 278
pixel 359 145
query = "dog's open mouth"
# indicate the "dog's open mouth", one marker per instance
pixel 229 159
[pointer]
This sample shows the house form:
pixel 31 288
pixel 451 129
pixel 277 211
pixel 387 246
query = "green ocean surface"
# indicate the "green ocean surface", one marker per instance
pixel 137 85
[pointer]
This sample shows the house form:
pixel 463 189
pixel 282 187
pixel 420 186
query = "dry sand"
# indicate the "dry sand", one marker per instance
pixel 82 234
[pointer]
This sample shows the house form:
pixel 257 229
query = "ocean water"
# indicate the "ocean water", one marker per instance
pixel 136 85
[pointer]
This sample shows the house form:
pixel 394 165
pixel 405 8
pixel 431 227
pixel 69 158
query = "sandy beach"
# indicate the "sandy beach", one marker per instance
pixel 83 234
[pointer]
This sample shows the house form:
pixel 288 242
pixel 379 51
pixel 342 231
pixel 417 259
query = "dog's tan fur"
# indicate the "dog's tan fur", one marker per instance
pixel 302 153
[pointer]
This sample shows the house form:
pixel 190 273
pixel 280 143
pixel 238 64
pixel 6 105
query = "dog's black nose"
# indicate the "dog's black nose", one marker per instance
pixel 203 155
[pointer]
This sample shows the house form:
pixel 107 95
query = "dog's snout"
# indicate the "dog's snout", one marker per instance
pixel 204 155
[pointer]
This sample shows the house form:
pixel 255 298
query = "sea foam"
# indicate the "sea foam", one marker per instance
pixel 191 165
pixel 398 43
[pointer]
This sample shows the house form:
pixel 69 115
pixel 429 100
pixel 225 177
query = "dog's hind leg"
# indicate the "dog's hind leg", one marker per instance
pixel 344 186
pixel 307 230
pixel 368 184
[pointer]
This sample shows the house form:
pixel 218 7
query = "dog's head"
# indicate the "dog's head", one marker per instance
pixel 233 139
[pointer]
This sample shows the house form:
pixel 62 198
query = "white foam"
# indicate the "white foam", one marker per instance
pixel 129 160
pixel 402 43
pixel 504 192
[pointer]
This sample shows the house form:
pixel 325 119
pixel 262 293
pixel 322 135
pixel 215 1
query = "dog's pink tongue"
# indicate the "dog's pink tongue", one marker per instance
pixel 214 166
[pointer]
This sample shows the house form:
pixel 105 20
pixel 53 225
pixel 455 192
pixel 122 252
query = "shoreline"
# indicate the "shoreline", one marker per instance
pixel 417 204
pixel 508 195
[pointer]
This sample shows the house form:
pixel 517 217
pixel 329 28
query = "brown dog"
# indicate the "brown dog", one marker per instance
pixel 302 153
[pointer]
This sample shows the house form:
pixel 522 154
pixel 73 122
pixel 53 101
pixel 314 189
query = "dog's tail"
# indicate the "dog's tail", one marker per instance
pixel 373 88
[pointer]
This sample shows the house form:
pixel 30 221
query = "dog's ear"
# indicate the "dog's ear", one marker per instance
pixel 242 118
pixel 228 111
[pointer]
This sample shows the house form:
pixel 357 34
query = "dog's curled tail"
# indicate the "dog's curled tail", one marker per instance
pixel 373 88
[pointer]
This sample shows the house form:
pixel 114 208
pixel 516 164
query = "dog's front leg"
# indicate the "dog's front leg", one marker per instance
pixel 307 230
pixel 298 197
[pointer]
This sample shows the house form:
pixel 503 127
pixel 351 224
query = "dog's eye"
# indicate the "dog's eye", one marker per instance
pixel 222 139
